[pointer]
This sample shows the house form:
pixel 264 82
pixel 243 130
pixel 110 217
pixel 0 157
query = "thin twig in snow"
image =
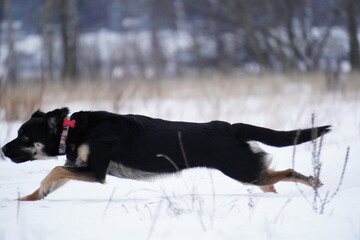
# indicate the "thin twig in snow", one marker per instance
pixel 156 216
pixel 108 204
pixel 293 165
pixel 342 175
pixel 182 149
pixel 18 209
pixel 281 210
pixel 213 198
pixel 170 161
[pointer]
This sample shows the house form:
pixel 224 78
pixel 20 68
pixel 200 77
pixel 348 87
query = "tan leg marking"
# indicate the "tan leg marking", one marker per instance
pixel 271 177
pixel 54 180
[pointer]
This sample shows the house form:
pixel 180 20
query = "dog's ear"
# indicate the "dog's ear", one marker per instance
pixel 38 114
pixel 55 118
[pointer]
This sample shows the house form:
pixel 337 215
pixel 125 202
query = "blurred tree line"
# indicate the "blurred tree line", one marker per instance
pixel 181 37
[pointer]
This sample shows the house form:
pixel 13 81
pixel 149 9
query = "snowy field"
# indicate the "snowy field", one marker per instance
pixel 200 203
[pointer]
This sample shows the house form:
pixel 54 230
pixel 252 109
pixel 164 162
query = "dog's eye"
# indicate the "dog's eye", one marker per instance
pixel 24 139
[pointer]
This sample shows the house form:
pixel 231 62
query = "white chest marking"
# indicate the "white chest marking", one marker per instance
pixel 82 155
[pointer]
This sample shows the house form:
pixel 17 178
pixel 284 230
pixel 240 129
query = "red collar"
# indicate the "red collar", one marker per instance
pixel 66 124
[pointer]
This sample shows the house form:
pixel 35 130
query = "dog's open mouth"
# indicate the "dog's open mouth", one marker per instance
pixel 20 159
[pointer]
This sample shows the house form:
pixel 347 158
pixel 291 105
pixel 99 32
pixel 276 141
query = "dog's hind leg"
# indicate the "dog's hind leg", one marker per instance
pixel 270 177
pixel 57 178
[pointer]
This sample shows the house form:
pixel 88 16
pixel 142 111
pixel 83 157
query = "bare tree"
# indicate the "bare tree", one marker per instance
pixel 157 60
pixel 47 32
pixel 68 22
pixel 252 38
pixel 184 24
pixel 11 57
pixel 2 6
pixel 350 7
pixel 287 40
pixel 306 48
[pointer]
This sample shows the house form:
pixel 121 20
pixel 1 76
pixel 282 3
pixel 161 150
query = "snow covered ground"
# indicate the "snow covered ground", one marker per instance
pixel 200 203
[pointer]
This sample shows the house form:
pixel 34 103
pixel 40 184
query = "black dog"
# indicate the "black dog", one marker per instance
pixel 139 147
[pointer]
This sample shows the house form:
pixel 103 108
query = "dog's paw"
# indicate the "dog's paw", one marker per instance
pixel 315 182
pixel 28 198
pixel 31 197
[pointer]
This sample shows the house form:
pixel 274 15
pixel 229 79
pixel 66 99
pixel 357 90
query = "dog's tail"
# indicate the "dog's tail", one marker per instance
pixel 245 132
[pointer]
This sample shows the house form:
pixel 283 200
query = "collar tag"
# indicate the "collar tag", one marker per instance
pixel 68 122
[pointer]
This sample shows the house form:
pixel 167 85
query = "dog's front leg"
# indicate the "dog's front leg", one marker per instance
pixel 44 190
pixel 55 179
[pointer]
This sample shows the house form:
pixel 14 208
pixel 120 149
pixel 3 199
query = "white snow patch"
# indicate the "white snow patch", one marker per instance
pixel 198 203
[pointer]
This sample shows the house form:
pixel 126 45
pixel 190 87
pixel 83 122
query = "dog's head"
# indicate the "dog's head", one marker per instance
pixel 38 138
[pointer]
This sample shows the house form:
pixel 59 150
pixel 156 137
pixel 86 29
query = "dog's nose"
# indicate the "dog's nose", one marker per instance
pixel 3 149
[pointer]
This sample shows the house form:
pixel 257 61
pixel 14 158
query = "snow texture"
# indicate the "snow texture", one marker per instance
pixel 199 203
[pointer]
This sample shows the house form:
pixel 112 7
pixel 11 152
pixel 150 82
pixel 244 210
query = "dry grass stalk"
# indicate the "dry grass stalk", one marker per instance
pixel 318 204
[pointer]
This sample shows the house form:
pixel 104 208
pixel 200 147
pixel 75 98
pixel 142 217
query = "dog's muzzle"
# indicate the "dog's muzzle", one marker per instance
pixel 17 156
pixel 2 152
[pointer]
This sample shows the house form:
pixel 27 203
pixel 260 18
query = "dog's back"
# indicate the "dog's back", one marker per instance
pixel 134 146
